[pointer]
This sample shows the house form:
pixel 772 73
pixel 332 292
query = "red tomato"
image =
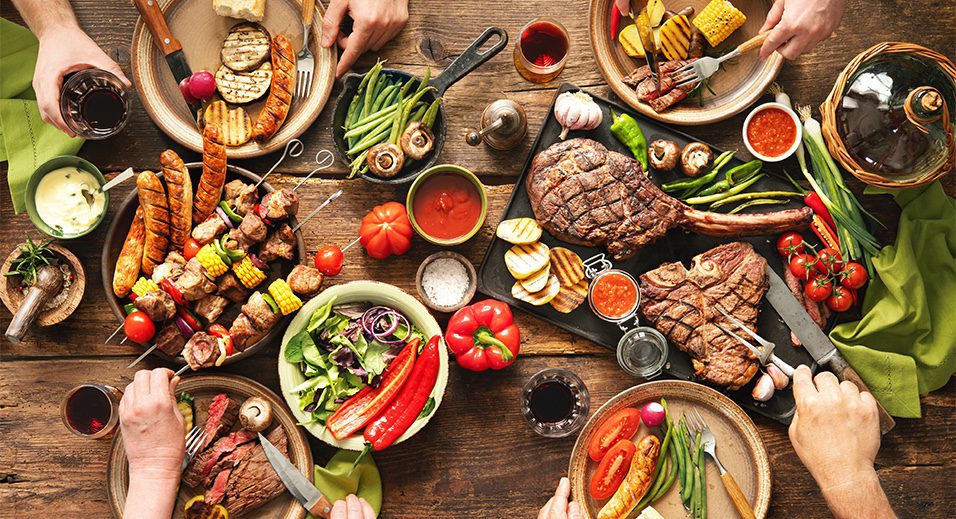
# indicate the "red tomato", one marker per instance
pixel 801 265
pixel 191 248
pixel 612 469
pixel 853 275
pixel 386 230
pixel 138 327
pixel 790 243
pixel 819 288
pixel 829 261
pixel 329 260
pixel 841 300
pixel 619 426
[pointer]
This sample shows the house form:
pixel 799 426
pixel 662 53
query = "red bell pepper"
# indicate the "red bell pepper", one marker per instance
pixel 173 292
pixel 190 319
pixel 391 423
pixel 386 230
pixel 615 21
pixel 368 402
pixel 483 336
pixel 220 331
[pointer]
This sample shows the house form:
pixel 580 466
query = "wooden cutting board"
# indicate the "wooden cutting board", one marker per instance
pixel 739 448
pixel 201 32
pixel 737 84
pixel 203 388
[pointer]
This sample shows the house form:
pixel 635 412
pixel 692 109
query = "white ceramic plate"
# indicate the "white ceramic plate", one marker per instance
pixel 356 292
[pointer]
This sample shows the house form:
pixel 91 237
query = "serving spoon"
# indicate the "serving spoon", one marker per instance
pixel 117 180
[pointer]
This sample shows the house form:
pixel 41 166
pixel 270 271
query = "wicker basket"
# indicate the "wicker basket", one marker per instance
pixel 835 142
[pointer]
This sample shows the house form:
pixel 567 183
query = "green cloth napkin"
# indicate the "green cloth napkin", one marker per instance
pixel 25 140
pixel 337 479
pixel 905 344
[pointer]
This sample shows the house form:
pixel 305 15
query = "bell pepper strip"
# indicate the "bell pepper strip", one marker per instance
pixel 824 232
pixel 129 308
pixel 225 340
pixel 483 336
pixel 229 212
pixel 173 292
pixel 813 200
pixel 615 21
pixel 271 302
pixel 365 405
pixel 391 423
pixel 386 230
pixel 233 254
pixel 189 317
pixel 628 132
pixel 261 211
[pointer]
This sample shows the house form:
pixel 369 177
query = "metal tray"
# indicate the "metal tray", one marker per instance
pixel 678 245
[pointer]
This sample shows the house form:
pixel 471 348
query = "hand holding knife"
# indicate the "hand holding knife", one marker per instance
pixel 646 31
pixel 298 485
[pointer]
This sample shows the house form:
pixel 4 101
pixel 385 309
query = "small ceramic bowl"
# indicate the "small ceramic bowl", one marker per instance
pixel 469 292
pixel 48 166
pixel 13 298
pixel 444 169
pixel 796 141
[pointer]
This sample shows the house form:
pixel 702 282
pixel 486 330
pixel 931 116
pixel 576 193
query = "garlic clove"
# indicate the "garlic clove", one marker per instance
pixel 780 380
pixel 763 389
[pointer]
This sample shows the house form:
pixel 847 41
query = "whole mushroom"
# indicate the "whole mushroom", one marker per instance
pixel 255 414
pixel 385 160
pixel 663 154
pixel 695 159
pixel 417 141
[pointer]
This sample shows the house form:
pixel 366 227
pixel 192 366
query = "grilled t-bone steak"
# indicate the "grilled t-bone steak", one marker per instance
pixel 681 303
pixel 582 193
pixel 253 481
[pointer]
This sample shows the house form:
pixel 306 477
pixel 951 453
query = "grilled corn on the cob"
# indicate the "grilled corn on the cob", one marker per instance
pixel 144 285
pixel 249 274
pixel 282 293
pixel 211 261
pixel 718 20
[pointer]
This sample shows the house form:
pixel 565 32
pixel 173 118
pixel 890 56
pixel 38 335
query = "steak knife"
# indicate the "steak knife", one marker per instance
pixel 814 340
pixel 170 47
pixel 643 22
pixel 298 485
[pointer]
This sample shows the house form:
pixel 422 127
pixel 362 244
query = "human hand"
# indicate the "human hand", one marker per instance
pixel 152 426
pixel 624 6
pixel 798 25
pixel 375 22
pixel 835 430
pixel 65 49
pixel 352 508
pixel 558 507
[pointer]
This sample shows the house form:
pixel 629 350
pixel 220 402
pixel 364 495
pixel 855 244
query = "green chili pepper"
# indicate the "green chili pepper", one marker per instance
pixel 707 199
pixel 741 173
pixel 229 212
pixel 628 132
pixel 432 113
pixel 690 183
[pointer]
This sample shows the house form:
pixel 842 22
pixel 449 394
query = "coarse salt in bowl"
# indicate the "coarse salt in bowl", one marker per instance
pixel 446 281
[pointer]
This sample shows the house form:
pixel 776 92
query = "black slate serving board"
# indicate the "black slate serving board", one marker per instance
pixel 678 245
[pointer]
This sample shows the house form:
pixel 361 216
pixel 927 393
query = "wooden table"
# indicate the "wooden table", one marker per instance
pixel 477 458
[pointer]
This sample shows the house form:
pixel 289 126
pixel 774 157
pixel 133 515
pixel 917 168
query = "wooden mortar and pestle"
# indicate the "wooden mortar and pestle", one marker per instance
pixel 49 282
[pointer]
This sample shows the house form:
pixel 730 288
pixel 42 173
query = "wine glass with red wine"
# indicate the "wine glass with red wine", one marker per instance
pixel 94 104
pixel 555 403
pixel 91 410
pixel 541 50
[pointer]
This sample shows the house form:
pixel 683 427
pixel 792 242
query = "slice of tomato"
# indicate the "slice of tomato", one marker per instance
pixel 612 470
pixel 619 426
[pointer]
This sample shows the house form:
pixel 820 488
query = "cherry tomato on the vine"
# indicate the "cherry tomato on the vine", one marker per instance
pixel 829 261
pixel 329 260
pixel 853 275
pixel 790 243
pixel 841 300
pixel 819 288
pixel 802 266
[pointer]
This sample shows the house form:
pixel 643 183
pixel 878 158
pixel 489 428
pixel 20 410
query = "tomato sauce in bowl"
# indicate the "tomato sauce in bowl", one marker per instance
pixel 613 295
pixel 771 133
pixel 446 207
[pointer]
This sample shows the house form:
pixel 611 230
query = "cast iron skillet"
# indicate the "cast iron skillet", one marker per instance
pixel 466 62
pixel 116 235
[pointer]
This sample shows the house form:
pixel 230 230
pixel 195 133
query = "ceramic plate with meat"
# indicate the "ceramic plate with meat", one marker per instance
pixel 231 469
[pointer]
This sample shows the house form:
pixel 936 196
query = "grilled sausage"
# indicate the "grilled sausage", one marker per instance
pixel 637 482
pixel 131 257
pixel 180 188
pixel 280 93
pixel 152 198
pixel 209 190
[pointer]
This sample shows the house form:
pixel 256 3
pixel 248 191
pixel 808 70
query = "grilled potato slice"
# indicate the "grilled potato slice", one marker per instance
pixel 246 47
pixel 675 37
pixel 234 125
pixel 569 298
pixel 524 260
pixel 536 281
pixel 567 265
pixel 519 231
pixel 240 88
pixel 539 298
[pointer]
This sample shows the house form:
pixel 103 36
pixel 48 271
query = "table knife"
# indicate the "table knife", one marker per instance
pixel 298 485
pixel 643 22
pixel 814 340
pixel 170 47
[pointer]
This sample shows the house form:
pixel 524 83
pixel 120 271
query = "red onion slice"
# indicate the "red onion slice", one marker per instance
pixel 225 218
pixel 258 262
pixel 184 327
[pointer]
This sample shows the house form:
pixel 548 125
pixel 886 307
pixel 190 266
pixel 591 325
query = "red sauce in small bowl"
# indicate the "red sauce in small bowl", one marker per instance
pixel 614 295
pixel 771 132
pixel 447 206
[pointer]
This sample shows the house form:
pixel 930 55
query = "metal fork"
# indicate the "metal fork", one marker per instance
pixel 695 425
pixel 304 61
pixel 764 353
pixel 194 440
pixel 705 67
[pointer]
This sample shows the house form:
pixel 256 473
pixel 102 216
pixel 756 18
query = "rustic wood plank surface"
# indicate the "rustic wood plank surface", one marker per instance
pixel 457 466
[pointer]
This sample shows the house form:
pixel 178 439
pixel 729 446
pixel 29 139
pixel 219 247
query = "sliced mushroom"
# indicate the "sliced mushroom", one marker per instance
pixel 695 159
pixel 385 159
pixel 417 140
pixel 663 154
pixel 255 414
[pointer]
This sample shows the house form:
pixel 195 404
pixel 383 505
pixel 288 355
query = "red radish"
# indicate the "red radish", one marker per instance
pixel 184 89
pixel 653 414
pixel 202 85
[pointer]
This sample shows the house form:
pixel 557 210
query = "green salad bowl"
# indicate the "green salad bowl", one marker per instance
pixel 56 163
pixel 375 293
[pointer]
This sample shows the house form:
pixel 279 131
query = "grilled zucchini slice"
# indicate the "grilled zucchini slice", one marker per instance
pixel 240 88
pixel 246 47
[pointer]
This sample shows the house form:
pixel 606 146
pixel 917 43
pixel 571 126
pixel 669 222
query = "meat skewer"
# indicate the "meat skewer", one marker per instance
pixel 293 148
pixel 331 197
pixel 325 155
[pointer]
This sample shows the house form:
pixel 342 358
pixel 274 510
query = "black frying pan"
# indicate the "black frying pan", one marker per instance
pixel 467 61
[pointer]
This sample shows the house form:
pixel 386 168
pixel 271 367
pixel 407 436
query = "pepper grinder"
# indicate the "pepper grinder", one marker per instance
pixel 503 125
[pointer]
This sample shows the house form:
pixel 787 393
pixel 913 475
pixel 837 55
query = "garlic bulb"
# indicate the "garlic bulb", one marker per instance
pixel 763 389
pixel 780 380
pixel 576 111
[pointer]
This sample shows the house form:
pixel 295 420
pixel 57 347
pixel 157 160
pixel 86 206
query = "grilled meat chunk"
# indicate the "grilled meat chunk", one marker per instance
pixel 280 204
pixel 240 196
pixel 280 244
pixel 584 194
pixel 209 229
pixel 222 414
pixel 157 305
pixel 682 304
pixel 218 478
pixel 251 231
pixel 254 482
pixel 260 313
pixel 170 340
pixel 305 281
pixel 201 351
pixel 170 269
pixel 231 288
pixel 211 307
pixel 203 463
pixel 243 332
pixel 194 283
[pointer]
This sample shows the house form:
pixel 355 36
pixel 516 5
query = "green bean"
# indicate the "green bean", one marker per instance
pixel 687 481
pixel 720 196
pixel 671 477
pixel 747 196
pixel 407 86
pixel 759 201
pixel 417 116
pixel 351 114
pixel 656 484
pixel 372 77
pixel 697 481
pixel 366 127
pixel 361 88
pixel 401 117
pixel 432 113
pixel 372 138
pixel 702 466
pixel 382 96
pixel 383 112
pixel 392 98
pixel 424 83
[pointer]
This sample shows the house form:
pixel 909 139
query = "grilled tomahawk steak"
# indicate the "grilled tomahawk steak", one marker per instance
pixel 584 194
pixel 681 303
